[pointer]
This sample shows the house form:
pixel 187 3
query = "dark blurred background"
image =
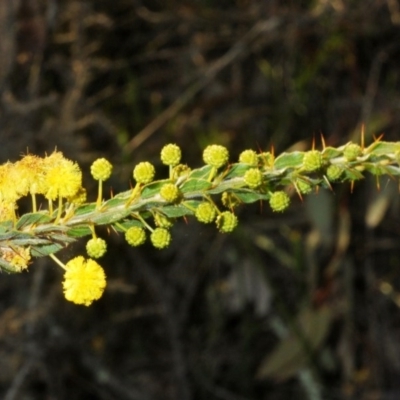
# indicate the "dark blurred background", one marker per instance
pixel 300 305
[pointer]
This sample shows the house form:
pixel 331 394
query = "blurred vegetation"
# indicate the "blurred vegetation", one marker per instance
pixel 303 305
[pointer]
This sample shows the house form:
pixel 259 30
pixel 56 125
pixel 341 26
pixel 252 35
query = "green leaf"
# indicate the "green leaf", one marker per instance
pixel 195 185
pixel 85 209
pixel 352 175
pixel 79 231
pixel 6 267
pixel 180 210
pixel 289 160
pixel 250 197
pixel 109 217
pixel 5 226
pixel 330 152
pixel 32 219
pixel 201 173
pixel 152 189
pixel 45 250
pixel 127 224
pixel 383 148
pixel 237 170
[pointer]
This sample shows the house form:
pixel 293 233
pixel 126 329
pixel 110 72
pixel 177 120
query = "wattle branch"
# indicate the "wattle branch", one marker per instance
pixel 209 193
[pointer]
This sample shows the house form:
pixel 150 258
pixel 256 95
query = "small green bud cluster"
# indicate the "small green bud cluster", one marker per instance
pixel 249 157
pixel 96 247
pixel 333 172
pixel 206 212
pixel 279 201
pixel 312 160
pixel 352 151
pixel 216 155
pixel 226 222
pixel 160 238
pixel 303 186
pixel 135 236
pixel 253 178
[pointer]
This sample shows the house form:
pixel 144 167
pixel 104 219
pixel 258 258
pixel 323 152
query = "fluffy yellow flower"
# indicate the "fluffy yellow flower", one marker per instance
pixel 31 172
pixel 12 187
pixel 63 178
pixel 7 210
pixel 84 281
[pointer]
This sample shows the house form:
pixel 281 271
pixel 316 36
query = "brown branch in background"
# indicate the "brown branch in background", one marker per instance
pixel 238 50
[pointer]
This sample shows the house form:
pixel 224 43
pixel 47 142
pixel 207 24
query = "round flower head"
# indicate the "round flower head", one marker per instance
pixel 101 169
pixel 7 210
pixel 205 212
pixel 171 155
pixel 249 157
pixel 63 178
pixel 31 170
pixel 333 172
pixel 96 247
pixel 312 160
pixel 12 184
pixel 84 281
pixel 279 201
pixel 135 236
pixel 215 155
pixel 160 238
pixel 169 192
pixel 352 151
pixel 303 186
pixel 144 172
pixel 253 178
pixel 226 222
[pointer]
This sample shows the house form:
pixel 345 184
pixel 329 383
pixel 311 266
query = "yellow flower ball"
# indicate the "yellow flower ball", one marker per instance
pixel 63 178
pixel 84 281
pixel 101 169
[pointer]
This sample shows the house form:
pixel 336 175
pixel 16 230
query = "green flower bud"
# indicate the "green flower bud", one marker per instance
pixel 333 172
pixel 226 222
pixel 279 201
pixel 253 178
pixel 96 247
pixel 169 192
pixel 135 236
pixel 249 157
pixel 144 172
pixel 266 159
pixel 171 155
pixel 215 155
pixel 352 151
pixel 312 160
pixel 303 186
pixel 160 238
pixel 101 169
pixel 162 221
pixel 205 212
